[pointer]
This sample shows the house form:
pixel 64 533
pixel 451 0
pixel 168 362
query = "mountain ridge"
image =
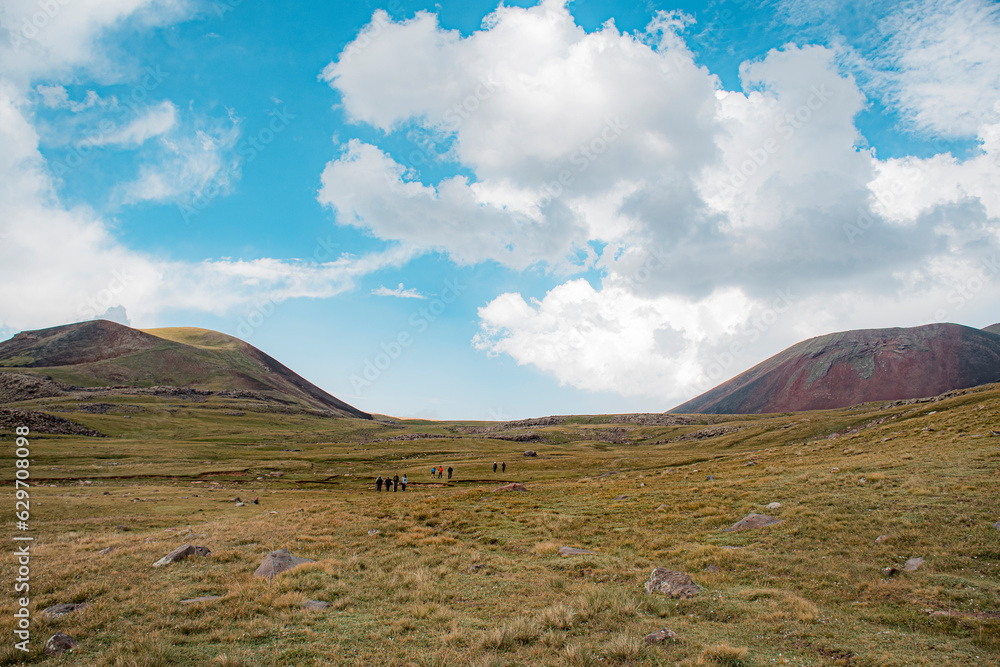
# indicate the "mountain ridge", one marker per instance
pixel 104 353
pixel 852 367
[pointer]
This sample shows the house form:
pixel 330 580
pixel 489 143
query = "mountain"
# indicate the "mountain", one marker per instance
pixel 103 353
pixel 852 367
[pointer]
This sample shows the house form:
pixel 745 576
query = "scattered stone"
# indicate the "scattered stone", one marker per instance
pixel 106 551
pixel 774 506
pixel 834 469
pixel 710 478
pixel 55 611
pixel 992 432
pixel 913 564
pixel 621 497
pixel 672 584
pixel 59 643
pixel 277 562
pixel 476 567
pixel 881 538
pixel 202 598
pixel 182 552
pixel 240 504
pixel 573 551
pixel 713 568
pixel 661 507
pixel 530 453
pixel 751 522
pixel 889 571
pixel 372 532
pixel 660 636
pixel 121 528
pixel 513 486
pixel 315 605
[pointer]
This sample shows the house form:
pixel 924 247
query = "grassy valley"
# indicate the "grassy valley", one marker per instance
pixel 460 573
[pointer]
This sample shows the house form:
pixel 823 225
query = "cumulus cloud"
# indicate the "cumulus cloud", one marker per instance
pixel 700 209
pixel 64 263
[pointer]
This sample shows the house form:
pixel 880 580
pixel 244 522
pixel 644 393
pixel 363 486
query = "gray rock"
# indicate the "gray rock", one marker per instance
pixel 774 506
pixel 661 507
pixel 202 598
pixel 660 636
pixel 881 538
pixel 751 522
pixel 672 584
pixel 621 497
pixel 315 605
pixel 889 571
pixel 106 551
pixel 574 551
pixel 180 553
pixel 372 532
pixel 713 569
pixel 59 643
pixel 530 453
pixel 710 478
pixel 913 564
pixel 514 486
pixel 277 562
pixel 57 610
pixel 997 525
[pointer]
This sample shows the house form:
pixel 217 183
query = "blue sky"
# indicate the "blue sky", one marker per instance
pixel 460 210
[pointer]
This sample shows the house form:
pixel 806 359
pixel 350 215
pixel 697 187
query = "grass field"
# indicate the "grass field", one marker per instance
pixel 460 574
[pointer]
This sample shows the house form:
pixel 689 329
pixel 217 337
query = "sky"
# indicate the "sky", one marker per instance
pixel 479 211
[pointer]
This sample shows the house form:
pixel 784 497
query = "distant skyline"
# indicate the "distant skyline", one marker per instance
pixel 464 210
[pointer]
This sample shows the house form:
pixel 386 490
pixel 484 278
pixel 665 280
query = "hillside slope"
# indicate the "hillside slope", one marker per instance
pixel 103 353
pixel 851 367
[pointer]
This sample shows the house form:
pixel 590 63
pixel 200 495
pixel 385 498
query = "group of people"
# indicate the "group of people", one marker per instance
pixel 393 483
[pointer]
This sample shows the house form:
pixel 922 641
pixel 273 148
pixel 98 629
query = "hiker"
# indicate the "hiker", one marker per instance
pixel 395 483
pixel 433 472
pixel 494 466
pixel 440 471
pixel 378 483
pixel 449 472
pixel 503 467
pixel 402 483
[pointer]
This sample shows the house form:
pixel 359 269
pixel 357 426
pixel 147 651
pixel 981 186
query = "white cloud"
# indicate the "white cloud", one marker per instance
pixel 400 292
pixel 703 206
pixel 65 264
pixel 189 166
pixel 154 122
pixel 943 71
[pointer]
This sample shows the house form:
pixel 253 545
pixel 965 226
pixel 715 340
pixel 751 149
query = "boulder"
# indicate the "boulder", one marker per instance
pixel 55 611
pixel 513 486
pixel 573 551
pixel 182 552
pixel 672 584
pixel 315 605
pixel 913 564
pixel 752 521
pixel 277 562
pixel 59 643
pixel 530 453
pixel 660 636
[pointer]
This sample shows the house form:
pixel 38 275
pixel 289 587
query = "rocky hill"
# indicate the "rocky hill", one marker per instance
pixel 48 362
pixel 851 367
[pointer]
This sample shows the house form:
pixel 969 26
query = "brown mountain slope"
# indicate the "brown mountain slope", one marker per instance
pixel 103 353
pixel 851 367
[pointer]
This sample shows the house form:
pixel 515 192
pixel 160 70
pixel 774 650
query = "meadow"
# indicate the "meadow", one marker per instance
pixel 454 572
